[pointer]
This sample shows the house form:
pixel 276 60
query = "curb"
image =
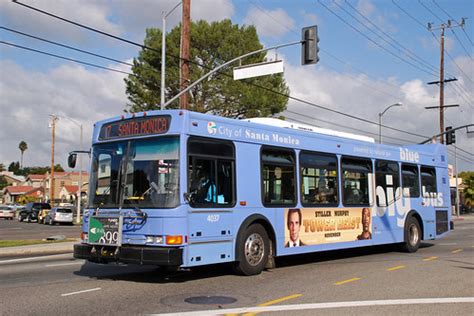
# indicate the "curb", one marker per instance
pixel 34 250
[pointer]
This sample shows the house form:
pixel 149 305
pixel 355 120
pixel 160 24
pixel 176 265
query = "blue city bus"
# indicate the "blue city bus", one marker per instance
pixel 180 189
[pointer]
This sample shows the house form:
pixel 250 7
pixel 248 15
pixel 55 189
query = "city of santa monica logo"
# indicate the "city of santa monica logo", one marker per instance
pixel 211 128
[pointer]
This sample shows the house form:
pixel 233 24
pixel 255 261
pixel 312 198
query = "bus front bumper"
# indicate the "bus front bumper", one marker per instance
pixel 160 256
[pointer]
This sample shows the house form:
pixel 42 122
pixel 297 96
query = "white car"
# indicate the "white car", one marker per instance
pixel 59 215
pixel 7 212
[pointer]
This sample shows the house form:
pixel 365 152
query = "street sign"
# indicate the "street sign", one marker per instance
pixel 257 70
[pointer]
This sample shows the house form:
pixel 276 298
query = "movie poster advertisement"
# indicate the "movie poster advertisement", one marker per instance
pixel 313 226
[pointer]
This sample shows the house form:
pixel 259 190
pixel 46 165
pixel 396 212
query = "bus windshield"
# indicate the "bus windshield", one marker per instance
pixel 140 173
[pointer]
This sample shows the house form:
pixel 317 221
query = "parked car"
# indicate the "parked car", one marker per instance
pixel 7 212
pixel 59 215
pixel 31 210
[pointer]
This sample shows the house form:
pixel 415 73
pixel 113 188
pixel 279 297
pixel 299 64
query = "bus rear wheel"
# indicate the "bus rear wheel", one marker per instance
pixel 253 248
pixel 412 235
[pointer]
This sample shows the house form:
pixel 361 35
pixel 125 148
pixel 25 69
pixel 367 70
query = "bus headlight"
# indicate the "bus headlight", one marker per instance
pixel 154 239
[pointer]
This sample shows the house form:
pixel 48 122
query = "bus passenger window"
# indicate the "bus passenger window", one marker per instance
pixel 386 175
pixel 410 181
pixel 428 180
pixel 355 181
pixel 278 176
pixel 210 173
pixel 318 179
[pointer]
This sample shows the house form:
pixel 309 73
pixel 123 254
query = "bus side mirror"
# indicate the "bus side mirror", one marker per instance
pixel 71 160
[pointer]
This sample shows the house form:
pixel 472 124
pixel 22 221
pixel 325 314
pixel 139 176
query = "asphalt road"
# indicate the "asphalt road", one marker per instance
pixel 14 230
pixel 431 281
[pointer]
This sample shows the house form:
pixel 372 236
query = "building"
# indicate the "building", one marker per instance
pixel 13 194
pixel 64 183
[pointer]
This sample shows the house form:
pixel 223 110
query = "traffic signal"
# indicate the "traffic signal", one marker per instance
pixel 450 136
pixel 309 48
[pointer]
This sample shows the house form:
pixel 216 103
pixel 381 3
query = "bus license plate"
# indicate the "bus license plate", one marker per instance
pixel 105 231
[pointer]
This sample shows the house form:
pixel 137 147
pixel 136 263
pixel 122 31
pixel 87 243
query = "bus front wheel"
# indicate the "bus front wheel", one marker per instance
pixel 412 235
pixel 253 250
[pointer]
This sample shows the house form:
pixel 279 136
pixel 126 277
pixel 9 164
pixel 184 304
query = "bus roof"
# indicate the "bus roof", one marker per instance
pixel 308 128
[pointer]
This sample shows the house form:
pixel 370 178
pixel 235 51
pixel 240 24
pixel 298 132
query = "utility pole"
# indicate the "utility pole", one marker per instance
pixel 186 19
pixel 441 81
pixel 54 118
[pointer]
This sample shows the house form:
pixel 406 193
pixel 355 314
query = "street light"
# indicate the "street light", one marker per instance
pixel 79 185
pixel 380 119
pixel 163 54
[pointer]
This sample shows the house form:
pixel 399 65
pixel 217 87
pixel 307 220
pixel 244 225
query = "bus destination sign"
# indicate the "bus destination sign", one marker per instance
pixel 148 125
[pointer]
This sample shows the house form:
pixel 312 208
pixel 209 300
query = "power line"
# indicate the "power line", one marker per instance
pixel 392 38
pixel 426 28
pixel 370 39
pixel 193 62
pixel 65 58
pixel 441 20
pixel 65 46
pixel 417 60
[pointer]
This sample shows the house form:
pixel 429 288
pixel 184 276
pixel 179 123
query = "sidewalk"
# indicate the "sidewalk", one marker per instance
pixel 38 250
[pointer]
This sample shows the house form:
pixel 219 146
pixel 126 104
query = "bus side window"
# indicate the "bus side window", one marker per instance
pixel 278 176
pixel 356 174
pixel 428 180
pixel 211 173
pixel 386 175
pixel 410 181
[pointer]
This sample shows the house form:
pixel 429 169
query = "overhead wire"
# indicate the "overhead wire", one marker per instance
pixel 65 58
pixel 373 41
pixel 399 49
pixel 442 21
pixel 65 46
pixel 260 86
pixel 434 36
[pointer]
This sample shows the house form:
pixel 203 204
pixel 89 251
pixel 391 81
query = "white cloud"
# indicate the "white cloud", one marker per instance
pixel 272 23
pixel 365 7
pixel 92 13
pixel 28 98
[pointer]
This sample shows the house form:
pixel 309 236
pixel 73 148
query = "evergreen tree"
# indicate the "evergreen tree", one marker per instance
pixel 211 45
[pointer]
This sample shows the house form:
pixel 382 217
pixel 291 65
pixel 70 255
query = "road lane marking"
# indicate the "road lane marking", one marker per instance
pixel 80 292
pixel 311 306
pixel 457 251
pixel 347 281
pixel 62 264
pixel 430 258
pixel 396 268
pixel 289 297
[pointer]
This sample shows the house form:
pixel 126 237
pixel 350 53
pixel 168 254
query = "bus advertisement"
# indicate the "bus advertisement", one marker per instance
pixel 180 189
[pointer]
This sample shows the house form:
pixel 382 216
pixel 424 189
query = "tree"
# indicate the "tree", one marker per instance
pixel 14 167
pixel 22 146
pixel 211 45
pixel 2 167
pixel 468 181
pixel 3 182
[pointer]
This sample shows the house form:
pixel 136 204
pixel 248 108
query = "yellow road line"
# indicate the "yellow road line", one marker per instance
pixel 396 268
pixel 456 251
pixel 347 281
pixel 430 258
pixel 278 300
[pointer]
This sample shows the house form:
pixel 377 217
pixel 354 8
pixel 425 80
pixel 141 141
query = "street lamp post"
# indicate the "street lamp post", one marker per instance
pixel 79 185
pixel 380 119
pixel 163 54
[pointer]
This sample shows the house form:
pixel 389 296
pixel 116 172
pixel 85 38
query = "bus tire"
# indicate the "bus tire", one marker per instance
pixel 253 248
pixel 412 235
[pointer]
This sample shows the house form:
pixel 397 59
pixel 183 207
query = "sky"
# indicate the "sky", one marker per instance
pixel 372 54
